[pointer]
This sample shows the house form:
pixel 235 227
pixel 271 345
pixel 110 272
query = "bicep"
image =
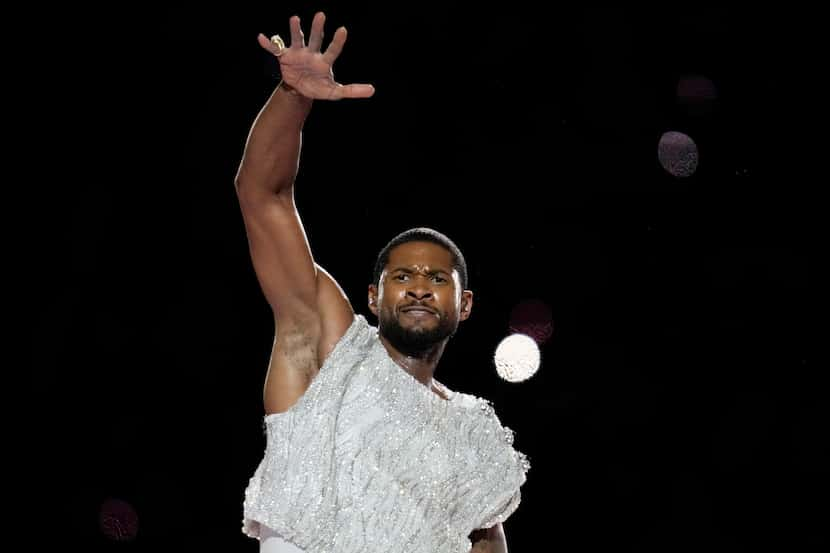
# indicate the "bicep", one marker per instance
pixel 280 253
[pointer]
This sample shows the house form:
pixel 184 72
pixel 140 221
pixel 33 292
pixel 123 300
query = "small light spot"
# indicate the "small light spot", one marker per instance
pixel 118 520
pixel 677 154
pixel 533 318
pixel 517 358
pixel 696 92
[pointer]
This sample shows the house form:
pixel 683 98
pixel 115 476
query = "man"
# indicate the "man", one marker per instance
pixel 366 451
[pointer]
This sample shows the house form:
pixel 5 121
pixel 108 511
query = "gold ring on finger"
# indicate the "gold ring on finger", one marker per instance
pixel 278 42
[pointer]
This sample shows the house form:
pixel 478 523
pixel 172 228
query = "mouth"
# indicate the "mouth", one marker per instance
pixel 418 311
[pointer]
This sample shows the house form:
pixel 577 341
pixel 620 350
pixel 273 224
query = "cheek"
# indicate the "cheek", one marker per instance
pixel 390 297
pixel 395 293
pixel 447 301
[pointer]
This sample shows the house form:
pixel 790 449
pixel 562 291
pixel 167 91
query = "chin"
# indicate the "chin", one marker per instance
pixel 417 323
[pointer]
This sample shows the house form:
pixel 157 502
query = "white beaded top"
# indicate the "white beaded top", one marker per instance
pixel 370 460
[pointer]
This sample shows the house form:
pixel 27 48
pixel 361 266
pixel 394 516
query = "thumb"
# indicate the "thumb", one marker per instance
pixel 357 91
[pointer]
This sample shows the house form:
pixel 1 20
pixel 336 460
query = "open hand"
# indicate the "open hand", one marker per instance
pixel 309 71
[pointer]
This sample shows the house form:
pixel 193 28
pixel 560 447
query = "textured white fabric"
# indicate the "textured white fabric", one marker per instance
pixel 370 460
pixel 271 542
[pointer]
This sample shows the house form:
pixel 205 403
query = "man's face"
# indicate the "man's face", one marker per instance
pixel 419 301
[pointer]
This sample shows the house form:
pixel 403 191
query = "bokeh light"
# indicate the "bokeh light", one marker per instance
pixel 118 520
pixel 696 93
pixel 678 154
pixel 533 318
pixel 517 358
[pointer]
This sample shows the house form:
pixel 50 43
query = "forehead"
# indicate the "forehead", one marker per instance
pixel 423 254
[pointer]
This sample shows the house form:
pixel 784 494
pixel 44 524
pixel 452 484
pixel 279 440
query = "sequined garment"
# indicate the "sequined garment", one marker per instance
pixel 370 460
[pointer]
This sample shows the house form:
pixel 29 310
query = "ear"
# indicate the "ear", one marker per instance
pixel 373 299
pixel 466 304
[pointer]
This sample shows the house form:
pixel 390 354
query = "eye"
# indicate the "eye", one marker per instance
pixel 402 277
pixel 439 279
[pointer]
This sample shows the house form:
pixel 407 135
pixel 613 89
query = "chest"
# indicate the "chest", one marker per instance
pixel 398 433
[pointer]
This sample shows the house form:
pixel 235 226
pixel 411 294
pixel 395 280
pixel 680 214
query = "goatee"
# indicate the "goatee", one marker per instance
pixel 418 341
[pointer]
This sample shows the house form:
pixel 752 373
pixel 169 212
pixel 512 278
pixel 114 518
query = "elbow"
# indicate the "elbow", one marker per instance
pixel 245 193
pixel 254 186
pixel 238 183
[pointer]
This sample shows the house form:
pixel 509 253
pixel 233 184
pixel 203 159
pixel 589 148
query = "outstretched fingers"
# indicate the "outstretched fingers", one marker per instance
pixel 336 46
pixel 297 38
pixel 266 43
pixel 316 38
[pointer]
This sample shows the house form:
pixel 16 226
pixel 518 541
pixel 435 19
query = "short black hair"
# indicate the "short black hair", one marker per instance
pixel 422 234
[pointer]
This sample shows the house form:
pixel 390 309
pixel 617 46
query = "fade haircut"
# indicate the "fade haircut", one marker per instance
pixel 422 234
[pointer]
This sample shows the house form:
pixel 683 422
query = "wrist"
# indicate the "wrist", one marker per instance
pixel 289 89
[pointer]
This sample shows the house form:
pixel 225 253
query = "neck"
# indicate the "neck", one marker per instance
pixel 422 366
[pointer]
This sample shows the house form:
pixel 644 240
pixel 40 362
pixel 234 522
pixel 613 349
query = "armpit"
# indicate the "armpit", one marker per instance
pixel 489 540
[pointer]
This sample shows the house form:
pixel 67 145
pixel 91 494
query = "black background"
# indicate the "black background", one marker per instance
pixel 676 407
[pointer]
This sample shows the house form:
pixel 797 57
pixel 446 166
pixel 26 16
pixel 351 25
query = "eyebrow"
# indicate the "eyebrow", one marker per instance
pixel 410 271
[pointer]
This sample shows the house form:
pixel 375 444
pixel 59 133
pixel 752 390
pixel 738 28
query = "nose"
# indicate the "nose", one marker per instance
pixel 419 292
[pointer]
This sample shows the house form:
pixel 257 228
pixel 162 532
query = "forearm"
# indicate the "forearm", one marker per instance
pixel 272 151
